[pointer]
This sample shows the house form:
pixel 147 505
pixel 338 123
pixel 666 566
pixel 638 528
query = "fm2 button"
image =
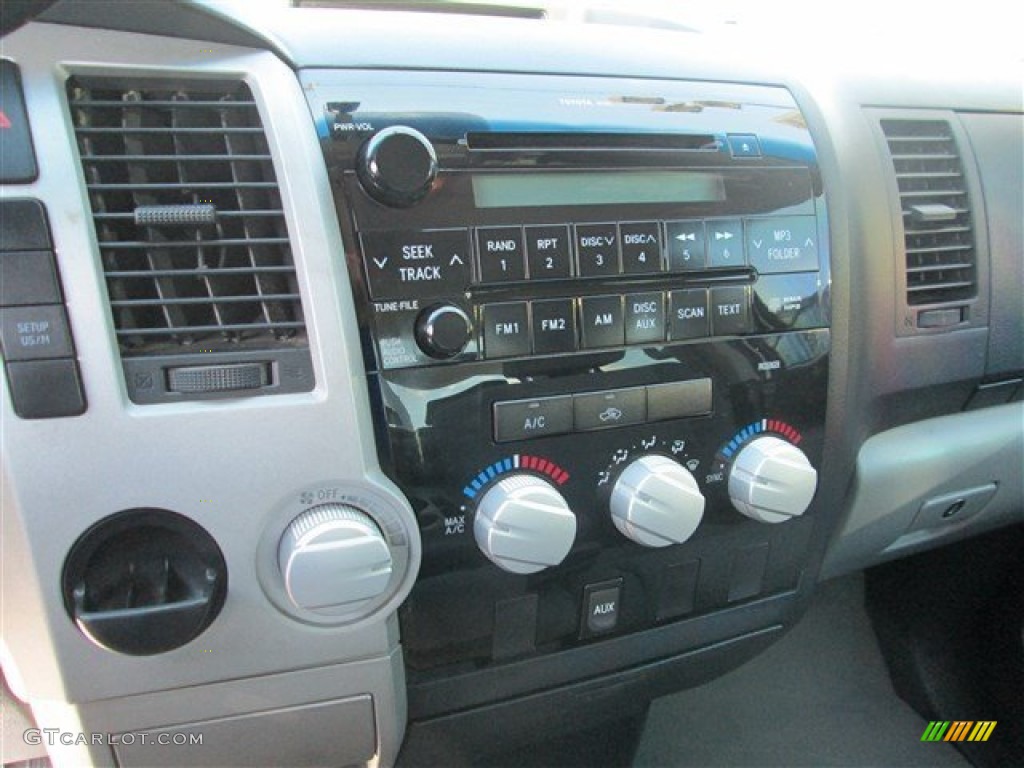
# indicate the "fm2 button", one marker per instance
pixel 601 608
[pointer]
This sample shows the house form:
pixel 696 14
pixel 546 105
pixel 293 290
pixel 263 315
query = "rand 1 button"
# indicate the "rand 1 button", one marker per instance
pixel 597 249
pixel 678 399
pixel 645 317
pixel 688 316
pixel 500 253
pixel 612 408
pixel 554 326
pixel 506 329
pixel 601 322
pixel 730 310
pixel 685 245
pixel 416 264
pixel 641 247
pixel 783 244
pixel 526 419
pixel 725 243
pixel 548 252
pixel 35 333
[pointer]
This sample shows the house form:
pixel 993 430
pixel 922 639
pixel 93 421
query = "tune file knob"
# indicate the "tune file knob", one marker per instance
pixel 771 480
pixel 334 559
pixel 442 331
pixel 656 502
pixel 524 525
pixel 397 166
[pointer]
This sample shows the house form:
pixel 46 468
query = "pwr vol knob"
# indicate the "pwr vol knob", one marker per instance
pixel 397 166
pixel 524 525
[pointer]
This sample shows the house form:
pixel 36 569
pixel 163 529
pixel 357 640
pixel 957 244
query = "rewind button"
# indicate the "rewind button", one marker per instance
pixel 686 244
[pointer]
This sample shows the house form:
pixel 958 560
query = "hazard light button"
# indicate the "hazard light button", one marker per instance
pixel 17 158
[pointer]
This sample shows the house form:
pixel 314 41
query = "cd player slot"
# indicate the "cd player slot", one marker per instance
pixel 585 142
pixel 596 286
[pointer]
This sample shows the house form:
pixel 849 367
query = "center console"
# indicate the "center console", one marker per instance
pixel 595 318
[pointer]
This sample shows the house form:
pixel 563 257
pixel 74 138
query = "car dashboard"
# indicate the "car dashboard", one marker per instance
pixel 382 378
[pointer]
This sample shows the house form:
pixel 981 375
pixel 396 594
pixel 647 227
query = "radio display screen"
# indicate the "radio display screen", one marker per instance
pixel 519 190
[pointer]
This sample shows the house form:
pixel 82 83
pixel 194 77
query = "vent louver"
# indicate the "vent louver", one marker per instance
pixel 188 218
pixel 940 250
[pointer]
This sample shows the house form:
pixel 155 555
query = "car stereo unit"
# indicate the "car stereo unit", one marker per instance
pixel 595 316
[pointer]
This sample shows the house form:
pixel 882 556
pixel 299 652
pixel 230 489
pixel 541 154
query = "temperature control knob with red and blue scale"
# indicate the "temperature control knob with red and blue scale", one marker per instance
pixel 771 480
pixel 523 525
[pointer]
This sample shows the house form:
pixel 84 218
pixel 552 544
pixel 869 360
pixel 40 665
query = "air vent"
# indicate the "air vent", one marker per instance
pixel 940 250
pixel 191 230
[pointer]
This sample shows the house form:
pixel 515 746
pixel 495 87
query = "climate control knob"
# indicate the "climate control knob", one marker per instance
pixel 771 480
pixel 442 331
pixel 656 502
pixel 524 525
pixel 397 166
pixel 334 560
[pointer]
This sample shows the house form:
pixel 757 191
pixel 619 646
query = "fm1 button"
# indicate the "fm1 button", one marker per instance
pixel 506 330
pixel 601 608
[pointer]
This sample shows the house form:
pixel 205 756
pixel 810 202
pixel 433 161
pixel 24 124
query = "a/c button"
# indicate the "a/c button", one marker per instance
pixel 525 419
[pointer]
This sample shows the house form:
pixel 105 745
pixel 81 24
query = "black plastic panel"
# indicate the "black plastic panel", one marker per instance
pixel 646 265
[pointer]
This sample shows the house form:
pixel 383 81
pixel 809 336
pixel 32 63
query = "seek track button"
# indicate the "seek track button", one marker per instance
pixel 416 265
